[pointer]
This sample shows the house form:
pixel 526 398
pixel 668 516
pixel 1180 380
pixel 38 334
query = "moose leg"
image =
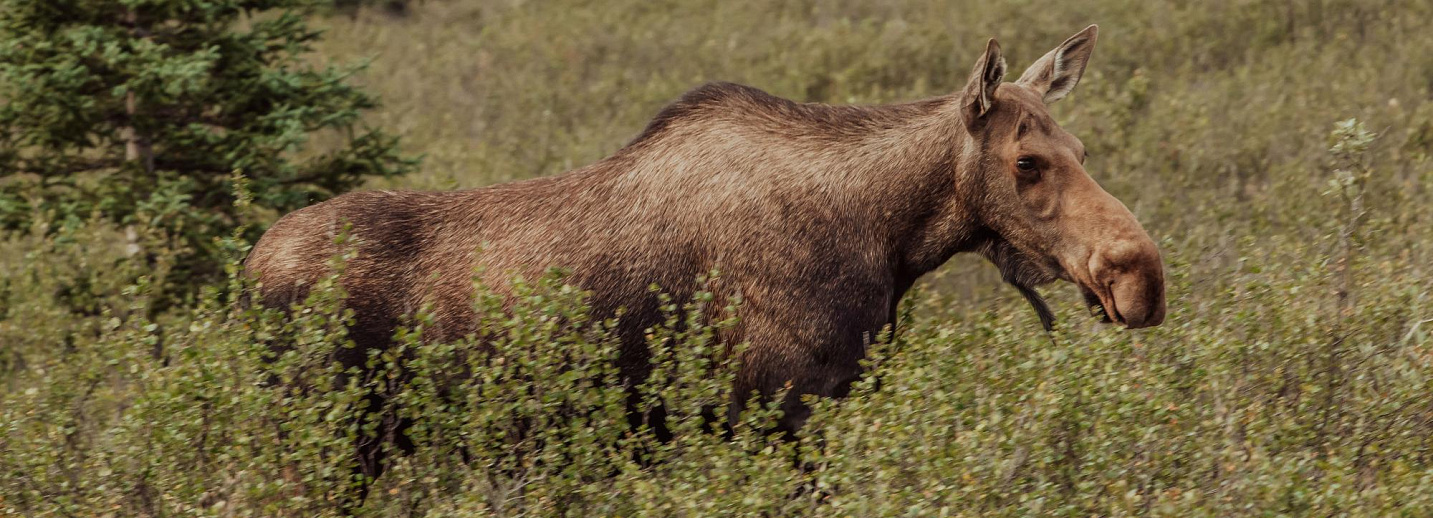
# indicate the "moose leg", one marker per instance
pixel 816 354
pixel 371 451
pixel 821 380
pixel 371 331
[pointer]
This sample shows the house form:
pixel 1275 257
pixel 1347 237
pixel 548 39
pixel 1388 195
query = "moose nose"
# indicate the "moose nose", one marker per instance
pixel 1134 280
pixel 1139 300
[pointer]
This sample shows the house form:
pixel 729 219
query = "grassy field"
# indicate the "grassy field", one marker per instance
pixel 1292 375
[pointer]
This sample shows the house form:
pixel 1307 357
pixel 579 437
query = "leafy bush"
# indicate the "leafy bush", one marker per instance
pixel 527 415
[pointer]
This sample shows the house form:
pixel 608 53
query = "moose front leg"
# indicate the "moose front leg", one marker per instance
pixel 811 354
pixel 823 380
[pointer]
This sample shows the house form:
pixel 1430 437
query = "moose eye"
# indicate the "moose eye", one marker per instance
pixel 1025 165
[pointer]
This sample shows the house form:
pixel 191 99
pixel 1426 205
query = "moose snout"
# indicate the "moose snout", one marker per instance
pixel 1138 299
pixel 1131 275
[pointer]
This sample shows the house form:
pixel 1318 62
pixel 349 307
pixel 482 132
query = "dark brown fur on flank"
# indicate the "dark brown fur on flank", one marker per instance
pixel 819 217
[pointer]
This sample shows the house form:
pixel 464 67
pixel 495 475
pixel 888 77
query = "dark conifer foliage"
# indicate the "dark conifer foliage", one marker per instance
pixel 142 112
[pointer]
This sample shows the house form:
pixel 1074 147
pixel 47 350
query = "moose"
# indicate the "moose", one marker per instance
pixel 819 217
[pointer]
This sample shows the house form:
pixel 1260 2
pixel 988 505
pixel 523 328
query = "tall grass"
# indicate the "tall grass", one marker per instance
pixel 1291 376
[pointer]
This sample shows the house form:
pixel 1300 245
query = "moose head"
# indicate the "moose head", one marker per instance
pixel 1028 185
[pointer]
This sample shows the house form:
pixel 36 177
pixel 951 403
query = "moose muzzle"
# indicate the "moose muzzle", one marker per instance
pixel 1128 283
pixel 1115 263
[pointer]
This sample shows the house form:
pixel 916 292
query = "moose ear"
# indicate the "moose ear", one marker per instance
pixel 1056 74
pixel 980 91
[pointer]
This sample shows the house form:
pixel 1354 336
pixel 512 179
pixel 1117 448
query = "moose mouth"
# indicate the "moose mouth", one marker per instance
pixel 1097 307
pixel 1024 272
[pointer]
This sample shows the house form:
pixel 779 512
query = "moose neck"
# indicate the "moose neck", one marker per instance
pixel 913 182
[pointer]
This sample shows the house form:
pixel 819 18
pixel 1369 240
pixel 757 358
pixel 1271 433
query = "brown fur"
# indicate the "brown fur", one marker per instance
pixel 819 217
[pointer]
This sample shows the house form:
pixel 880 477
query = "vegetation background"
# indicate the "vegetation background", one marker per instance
pixel 1280 152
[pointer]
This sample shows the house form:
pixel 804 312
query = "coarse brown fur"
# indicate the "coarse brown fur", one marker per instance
pixel 820 217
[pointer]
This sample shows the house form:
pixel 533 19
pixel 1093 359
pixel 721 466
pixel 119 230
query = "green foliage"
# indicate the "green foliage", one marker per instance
pixel 526 416
pixel 140 111
pixel 1290 378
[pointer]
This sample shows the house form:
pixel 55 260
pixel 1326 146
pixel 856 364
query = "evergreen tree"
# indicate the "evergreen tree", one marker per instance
pixel 144 112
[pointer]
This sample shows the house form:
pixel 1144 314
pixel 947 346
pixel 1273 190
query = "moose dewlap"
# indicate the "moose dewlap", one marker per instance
pixel 820 217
